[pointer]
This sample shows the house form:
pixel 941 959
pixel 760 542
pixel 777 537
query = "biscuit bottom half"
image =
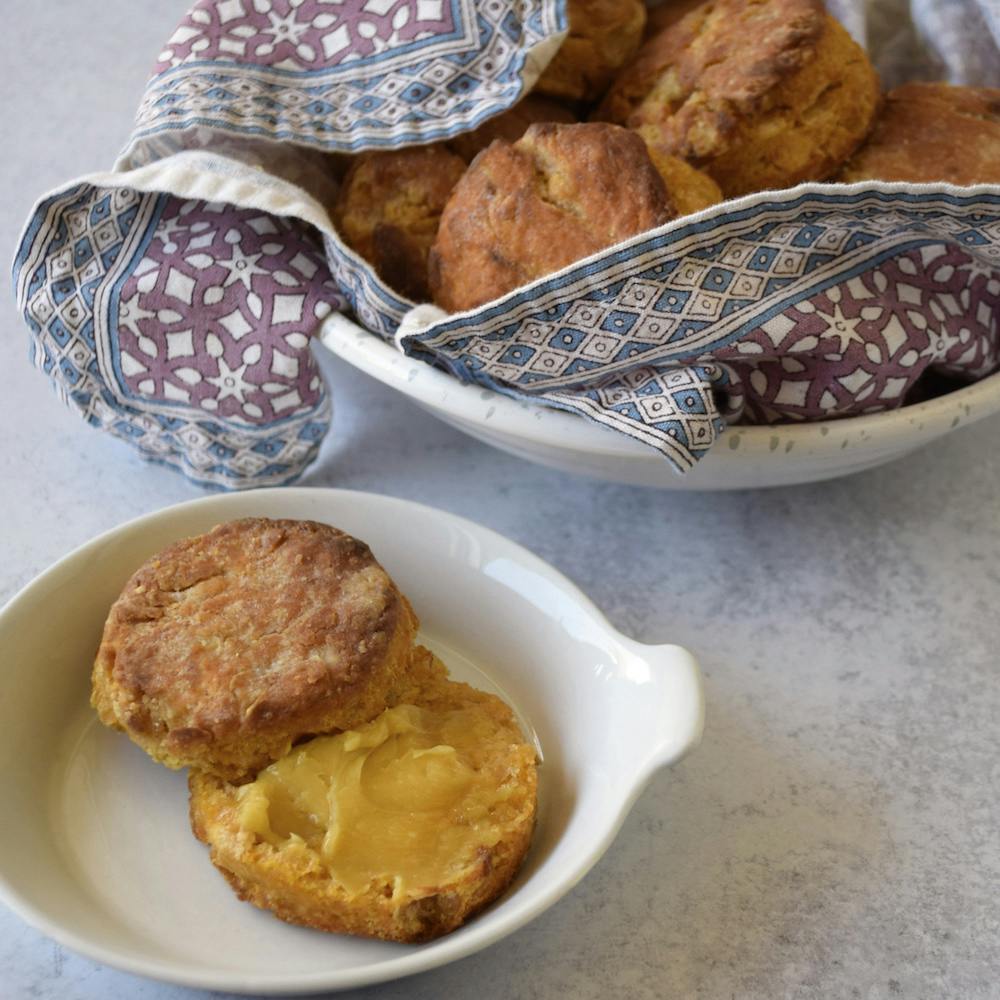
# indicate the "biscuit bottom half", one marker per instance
pixel 399 829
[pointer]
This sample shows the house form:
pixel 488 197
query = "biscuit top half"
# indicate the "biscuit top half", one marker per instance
pixel 716 63
pixel 521 211
pixel 225 648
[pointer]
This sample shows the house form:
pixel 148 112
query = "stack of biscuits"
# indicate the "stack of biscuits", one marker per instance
pixel 642 118
pixel 255 653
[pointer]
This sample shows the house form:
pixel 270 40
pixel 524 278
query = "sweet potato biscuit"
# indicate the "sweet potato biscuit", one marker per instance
pixel 388 210
pixel 665 14
pixel 511 125
pixel 690 189
pixel 562 192
pixel 400 830
pixel 757 94
pixel 603 36
pixel 225 648
pixel 930 132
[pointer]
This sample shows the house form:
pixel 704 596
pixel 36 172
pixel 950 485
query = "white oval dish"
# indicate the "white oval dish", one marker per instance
pixel 745 457
pixel 95 848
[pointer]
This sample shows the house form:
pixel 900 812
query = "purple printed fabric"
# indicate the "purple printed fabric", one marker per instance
pixel 341 77
pixel 173 302
pixel 218 314
pixel 182 328
pixel 818 302
pixel 301 36
pixel 861 345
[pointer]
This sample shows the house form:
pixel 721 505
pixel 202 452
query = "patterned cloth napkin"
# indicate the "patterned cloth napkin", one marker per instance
pixel 787 306
pixel 173 301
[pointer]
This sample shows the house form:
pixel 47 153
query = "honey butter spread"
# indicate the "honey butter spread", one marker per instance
pixel 409 799
pixel 400 828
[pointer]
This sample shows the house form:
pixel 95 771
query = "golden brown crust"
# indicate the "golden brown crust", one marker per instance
pixel 930 132
pixel 511 125
pixel 721 58
pixel 388 210
pixel 690 189
pixel 667 13
pixel 562 192
pixel 603 35
pixel 225 648
pixel 296 886
pixel 759 95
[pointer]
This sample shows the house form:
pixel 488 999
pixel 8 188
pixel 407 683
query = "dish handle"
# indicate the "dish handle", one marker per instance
pixel 671 703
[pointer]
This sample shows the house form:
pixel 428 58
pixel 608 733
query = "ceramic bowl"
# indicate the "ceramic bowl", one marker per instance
pixel 95 848
pixel 744 458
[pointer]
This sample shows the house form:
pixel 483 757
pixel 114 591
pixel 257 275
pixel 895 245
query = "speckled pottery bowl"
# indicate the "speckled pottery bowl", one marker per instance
pixel 744 458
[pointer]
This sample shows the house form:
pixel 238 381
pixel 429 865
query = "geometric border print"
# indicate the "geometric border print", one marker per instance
pixel 218 314
pixel 343 77
pixel 797 306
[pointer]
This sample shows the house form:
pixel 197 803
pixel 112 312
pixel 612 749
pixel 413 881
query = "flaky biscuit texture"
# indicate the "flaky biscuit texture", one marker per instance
pixel 602 36
pixel 758 95
pixel 929 132
pixel 562 192
pixel 388 210
pixel 225 648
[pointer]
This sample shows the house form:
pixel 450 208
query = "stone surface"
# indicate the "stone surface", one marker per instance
pixel 836 833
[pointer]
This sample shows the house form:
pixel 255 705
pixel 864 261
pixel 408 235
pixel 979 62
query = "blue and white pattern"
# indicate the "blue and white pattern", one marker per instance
pixel 377 307
pixel 347 76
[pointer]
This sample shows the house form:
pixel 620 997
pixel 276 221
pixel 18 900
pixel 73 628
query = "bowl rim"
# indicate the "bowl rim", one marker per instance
pixel 443 950
pixel 557 429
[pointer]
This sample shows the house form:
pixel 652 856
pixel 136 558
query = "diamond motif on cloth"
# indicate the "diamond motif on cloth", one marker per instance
pixel 750 325
pixel 340 76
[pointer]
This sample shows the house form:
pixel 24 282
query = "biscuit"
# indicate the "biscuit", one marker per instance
pixel 341 836
pixel 758 95
pixel 225 648
pixel 930 132
pixel 603 35
pixel 562 192
pixel 511 125
pixel 667 13
pixel 690 189
pixel 388 209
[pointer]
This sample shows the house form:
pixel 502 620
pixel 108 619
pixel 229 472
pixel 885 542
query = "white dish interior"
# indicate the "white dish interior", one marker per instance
pixel 96 851
pixel 744 458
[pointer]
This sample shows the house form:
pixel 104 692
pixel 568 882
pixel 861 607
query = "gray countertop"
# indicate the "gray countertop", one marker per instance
pixel 836 835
